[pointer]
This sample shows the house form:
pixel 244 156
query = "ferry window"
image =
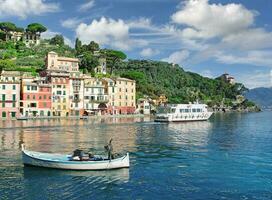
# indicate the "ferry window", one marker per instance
pixel 173 110
pixel 194 110
pixel 186 110
pixel 198 110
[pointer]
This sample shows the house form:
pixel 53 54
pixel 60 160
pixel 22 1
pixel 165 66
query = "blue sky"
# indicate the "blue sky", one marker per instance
pixel 209 37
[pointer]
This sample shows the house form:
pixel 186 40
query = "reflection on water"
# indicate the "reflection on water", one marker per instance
pixel 121 175
pixel 227 157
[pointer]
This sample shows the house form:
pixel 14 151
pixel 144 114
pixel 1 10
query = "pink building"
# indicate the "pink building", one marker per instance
pixel 35 97
pixel 9 94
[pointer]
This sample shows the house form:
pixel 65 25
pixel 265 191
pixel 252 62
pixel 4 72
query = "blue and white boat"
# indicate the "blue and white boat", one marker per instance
pixel 183 113
pixel 60 161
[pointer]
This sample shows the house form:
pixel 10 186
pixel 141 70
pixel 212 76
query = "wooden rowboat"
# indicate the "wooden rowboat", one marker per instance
pixel 60 161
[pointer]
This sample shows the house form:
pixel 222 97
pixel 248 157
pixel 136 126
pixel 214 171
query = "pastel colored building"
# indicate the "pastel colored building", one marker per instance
pixel 143 106
pixel 57 63
pixel 76 94
pixel 122 95
pixel 95 99
pixel 60 93
pixel 35 97
pixel 9 94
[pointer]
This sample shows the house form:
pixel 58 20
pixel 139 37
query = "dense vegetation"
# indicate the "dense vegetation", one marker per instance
pixel 153 78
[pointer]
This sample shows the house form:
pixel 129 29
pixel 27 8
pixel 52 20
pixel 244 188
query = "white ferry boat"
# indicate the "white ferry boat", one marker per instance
pixel 183 113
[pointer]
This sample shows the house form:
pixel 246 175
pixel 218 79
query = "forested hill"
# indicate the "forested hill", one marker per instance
pixel 155 78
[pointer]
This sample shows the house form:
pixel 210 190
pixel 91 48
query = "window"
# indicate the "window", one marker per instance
pixel 3 105
pixel 14 97
pixel 120 90
pixel 13 114
pixel 40 97
pixel 58 92
pixel 28 97
pixel 64 92
pixel 13 104
pixel 4 114
pixel 44 96
pixel 44 104
pixel 33 105
pixel 193 110
pixel 3 97
pixel 120 97
pixel 64 107
pixel 14 87
pixel 34 97
pixel 4 87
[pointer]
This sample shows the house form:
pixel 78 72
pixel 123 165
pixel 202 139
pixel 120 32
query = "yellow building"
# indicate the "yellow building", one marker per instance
pixel 122 95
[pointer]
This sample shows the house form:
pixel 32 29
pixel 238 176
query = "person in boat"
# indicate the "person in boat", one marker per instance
pixel 79 155
pixel 109 149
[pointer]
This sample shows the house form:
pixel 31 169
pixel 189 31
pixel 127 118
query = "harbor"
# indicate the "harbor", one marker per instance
pixel 227 156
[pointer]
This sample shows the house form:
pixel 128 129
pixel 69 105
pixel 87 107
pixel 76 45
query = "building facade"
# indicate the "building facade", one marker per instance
pixel 76 94
pixel 35 97
pixel 95 98
pixel 122 95
pixel 53 62
pixel 9 94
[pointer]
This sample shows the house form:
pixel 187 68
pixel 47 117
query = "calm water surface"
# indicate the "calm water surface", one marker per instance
pixel 228 157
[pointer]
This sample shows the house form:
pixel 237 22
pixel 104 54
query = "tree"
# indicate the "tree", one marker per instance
pixel 113 57
pixel 91 47
pixel 88 61
pixel 78 44
pixel 6 27
pixel 36 28
pixel 6 64
pixel 57 40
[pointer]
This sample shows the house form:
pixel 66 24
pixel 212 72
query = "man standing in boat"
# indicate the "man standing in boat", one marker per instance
pixel 109 148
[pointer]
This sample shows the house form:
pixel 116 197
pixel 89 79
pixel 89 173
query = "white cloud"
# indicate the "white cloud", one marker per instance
pixel 206 20
pixel 148 52
pixel 144 23
pixel 49 34
pixel 256 79
pixel 114 33
pixel 250 39
pixel 257 58
pixel 86 6
pixel 71 22
pixel 177 57
pixel 25 8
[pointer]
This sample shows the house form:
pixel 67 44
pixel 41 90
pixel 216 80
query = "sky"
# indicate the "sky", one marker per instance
pixel 209 37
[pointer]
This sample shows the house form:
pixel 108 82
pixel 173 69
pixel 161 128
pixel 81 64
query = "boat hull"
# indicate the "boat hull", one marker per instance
pixel 63 162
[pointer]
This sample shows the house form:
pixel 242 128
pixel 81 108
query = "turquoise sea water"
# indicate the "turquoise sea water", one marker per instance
pixel 227 157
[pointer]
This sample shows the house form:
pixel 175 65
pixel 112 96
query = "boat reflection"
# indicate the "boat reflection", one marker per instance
pixel 32 173
pixel 193 133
